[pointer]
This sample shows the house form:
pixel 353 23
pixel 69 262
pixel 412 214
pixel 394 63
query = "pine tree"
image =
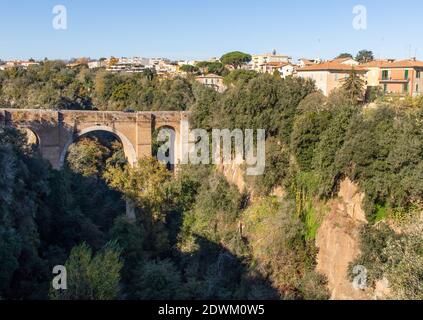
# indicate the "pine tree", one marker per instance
pixel 353 86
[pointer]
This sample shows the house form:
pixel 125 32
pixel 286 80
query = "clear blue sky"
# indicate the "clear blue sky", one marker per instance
pixel 205 28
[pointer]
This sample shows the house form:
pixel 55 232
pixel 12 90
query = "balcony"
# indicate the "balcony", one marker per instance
pixel 391 80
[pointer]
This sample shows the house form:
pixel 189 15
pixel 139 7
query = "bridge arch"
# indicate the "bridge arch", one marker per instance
pixel 128 147
pixel 32 136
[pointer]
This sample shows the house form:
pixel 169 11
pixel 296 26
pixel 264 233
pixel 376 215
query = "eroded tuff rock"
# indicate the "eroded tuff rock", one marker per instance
pixel 338 242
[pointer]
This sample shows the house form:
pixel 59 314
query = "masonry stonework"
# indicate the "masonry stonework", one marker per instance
pixel 55 131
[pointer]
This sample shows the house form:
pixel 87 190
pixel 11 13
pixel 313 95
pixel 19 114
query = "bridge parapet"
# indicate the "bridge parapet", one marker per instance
pixel 17 116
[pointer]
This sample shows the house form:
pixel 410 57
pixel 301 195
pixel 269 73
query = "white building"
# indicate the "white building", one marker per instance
pixel 307 62
pixel 129 65
pixel 259 60
pixel 213 81
pixel 97 64
pixel 187 62
pixel 18 64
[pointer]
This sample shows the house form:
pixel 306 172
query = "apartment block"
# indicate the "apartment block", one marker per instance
pixel 403 77
pixel 258 60
pixel 330 75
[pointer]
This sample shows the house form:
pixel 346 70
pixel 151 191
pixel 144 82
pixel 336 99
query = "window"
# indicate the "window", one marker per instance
pixel 405 88
pixel 406 75
pixel 385 88
pixel 417 88
pixel 418 74
pixel 385 75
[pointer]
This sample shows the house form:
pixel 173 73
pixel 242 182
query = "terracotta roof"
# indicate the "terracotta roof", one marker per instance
pixel 331 66
pixel 340 60
pixel 409 63
pixel 375 63
pixel 275 64
pixel 307 62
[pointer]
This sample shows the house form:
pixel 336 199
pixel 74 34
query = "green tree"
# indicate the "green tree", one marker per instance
pixel 212 67
pixel 158 280
pixel 147 186
pixel 10 250
pixel 189 69
pixel 344 55
pixel 144 183
pixel 277 74
pixel 235 59
pixel 364 56
pixel 277 168
pixel 275 236
pixel 92 277
pixel 88 157
pixel 240 75
pixel 354 86
pixel 306 135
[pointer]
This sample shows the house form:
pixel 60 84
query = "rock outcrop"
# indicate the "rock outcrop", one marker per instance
pixel 338 242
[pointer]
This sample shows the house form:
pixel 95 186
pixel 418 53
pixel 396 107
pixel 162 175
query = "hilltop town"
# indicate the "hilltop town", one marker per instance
pixel 389 76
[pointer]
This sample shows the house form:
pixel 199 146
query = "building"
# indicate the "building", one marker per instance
pixel 347 61
pixel 373 71
pixel 18 64
pixel 129 65
pixel 330 75
pixel 403 77
pixel 260 59
pixel 134 61
pixel 166 67
pixel 187 62
pixel 213 81
pixel 307 62
pixel 125 67
pixel 96 64
pixel 285 69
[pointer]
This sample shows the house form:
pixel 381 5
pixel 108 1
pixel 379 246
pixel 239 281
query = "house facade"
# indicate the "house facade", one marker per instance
pixel 330 75
pixel 403 77
pixel 285 69
pixel 213 81
pixel 258 60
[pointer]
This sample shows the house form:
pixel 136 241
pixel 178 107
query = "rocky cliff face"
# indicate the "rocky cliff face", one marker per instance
pixel 338 238
pixel 338 242
pixel 234 174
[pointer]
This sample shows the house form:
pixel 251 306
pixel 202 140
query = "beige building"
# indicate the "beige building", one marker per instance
pixel 285 69
pixel 18 64
pixel 331 74
pixel 213 81
pixel 303 62
pixel 373 71
pixel 259 60
pixel 403 77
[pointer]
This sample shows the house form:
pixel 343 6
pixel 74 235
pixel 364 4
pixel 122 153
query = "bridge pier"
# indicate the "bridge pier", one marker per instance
pixel 130 210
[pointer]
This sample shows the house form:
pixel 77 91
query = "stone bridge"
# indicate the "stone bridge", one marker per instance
pixel 55 131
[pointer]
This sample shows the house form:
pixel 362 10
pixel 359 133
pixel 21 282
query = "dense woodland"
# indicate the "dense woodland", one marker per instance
pixel 196 236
